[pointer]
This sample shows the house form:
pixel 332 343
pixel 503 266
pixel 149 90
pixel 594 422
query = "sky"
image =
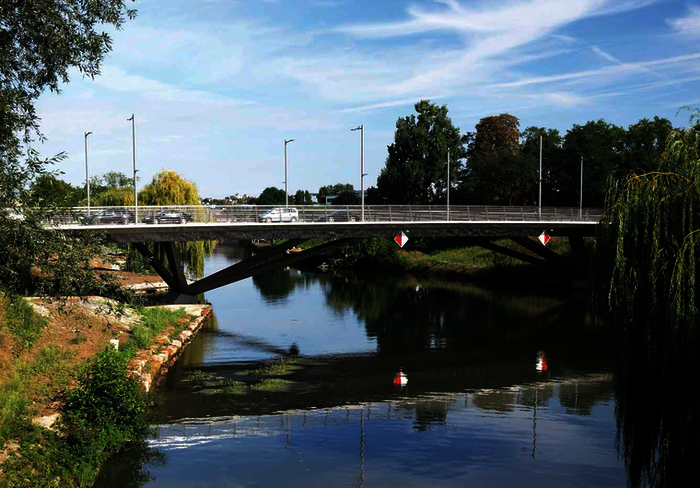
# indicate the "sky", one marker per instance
pixel 216 86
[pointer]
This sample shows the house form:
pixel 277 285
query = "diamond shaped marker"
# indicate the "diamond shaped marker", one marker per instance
pixel 544 238
pixel 401 239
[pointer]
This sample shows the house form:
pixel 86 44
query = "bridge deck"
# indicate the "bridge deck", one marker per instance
pixel 329 230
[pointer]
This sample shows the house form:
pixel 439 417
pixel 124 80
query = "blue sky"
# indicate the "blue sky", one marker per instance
pixel 217 85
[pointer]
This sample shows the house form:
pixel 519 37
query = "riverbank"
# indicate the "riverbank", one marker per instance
pixel 58 421
pixel 452 261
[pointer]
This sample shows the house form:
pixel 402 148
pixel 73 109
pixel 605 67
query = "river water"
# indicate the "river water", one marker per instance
pixel 502 389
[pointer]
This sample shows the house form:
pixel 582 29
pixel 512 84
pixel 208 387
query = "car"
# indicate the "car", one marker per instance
pixel 280 214
pixel 168 217
pixel 118 216
pixel 338 216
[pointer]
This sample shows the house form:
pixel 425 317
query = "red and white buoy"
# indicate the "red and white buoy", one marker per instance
pixel 541 362
pixel 400 379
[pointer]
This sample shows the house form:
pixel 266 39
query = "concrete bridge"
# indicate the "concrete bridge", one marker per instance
pixel 481 225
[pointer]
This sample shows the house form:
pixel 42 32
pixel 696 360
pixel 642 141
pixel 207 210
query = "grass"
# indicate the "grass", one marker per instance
pixel 153 322
pixel 103 409
pixel 274 367
pixel 25 325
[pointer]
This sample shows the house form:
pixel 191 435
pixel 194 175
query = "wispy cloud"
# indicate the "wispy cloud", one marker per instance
pixel 689 25
pixel 625 67
pixel 393 103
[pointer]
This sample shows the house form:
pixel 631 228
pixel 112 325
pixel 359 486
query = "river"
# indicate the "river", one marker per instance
pixel 502 389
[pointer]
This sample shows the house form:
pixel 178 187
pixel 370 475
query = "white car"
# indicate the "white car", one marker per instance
pixel 280 214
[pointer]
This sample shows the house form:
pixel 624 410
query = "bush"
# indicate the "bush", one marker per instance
pixel 107 409
pixel 26 326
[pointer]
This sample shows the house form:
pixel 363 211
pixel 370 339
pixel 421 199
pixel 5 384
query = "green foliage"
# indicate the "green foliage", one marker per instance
pixel 374 252
pixel 26 325
pixel 169 188
pixel 416 167
pixel 47 189
pixel 645 275
pixel 271 196
pixel 105 411
pixel 344 194
pixel 303 197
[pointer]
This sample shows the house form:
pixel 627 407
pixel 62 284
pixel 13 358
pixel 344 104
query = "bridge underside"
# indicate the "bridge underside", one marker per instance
pixel 285 254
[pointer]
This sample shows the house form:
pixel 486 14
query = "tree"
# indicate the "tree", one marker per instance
pixel 496 171
pixel 48 189
pixel 272 196
pixel 302 197
pixel 416 166
pixel 552 156
pixel 115 179
pixel 497 134
pixel 169 188
pixel 600 144
pixel 343 193
pixel 40 41
pixel 643 144
pixel 646 266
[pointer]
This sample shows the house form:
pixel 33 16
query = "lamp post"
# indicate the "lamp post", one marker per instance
pixel 87 174
pixel 361 128
pixel 133 149
pixel 448 184
pixel 539 198
pixel 580 203
pixel 286 173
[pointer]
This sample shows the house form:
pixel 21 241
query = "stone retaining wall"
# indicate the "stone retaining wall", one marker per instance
pixel 148 367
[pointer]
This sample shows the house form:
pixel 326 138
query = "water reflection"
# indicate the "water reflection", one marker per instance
pixel 451 439
pixel 657 411
pixel 495 383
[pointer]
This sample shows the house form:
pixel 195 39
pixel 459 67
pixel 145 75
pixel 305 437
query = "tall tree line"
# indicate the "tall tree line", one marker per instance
pixel 498 164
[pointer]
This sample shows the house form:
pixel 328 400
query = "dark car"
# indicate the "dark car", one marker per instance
pixel 110 217
pixel 168 217
pixel 338 216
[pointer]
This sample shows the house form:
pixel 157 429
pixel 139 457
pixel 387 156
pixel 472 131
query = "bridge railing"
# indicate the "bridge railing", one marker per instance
pixel 323 213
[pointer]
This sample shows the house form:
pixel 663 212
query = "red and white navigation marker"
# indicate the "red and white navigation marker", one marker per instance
pixel 400 379
pixel 544 238
pixel 401 239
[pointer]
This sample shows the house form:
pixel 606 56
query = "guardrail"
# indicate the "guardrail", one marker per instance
pixel 321 213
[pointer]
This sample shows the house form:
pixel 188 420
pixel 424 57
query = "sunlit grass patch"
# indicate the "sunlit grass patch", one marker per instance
pixel 273 384
pixel 274 367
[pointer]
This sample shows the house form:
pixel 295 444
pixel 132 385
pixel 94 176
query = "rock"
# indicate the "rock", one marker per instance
pixel 46 421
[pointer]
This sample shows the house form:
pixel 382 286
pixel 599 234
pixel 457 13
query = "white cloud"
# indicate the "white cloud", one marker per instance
pixel 625 67
pixel 393 103
pixel 689 25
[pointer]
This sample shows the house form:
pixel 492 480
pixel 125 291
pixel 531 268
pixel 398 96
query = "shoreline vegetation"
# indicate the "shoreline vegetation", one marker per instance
pixel 452 260
pixel 68 399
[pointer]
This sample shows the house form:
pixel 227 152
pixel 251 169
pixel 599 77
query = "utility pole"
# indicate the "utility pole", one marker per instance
pixel 580 204
pixel 539 198
pixel 87 174
pixel 448 185
pixel 133 149
pixel 286 173
pixel 361 128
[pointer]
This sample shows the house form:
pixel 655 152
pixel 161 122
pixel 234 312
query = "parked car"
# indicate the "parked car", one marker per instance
pixel 110 217
pixel 168 217
pixel 338 216
pixel 280 214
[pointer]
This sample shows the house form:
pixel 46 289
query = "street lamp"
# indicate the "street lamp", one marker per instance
pixel 448 184
pixel 133 149
pixel 361 128
pixel 87 174
pixel 286 173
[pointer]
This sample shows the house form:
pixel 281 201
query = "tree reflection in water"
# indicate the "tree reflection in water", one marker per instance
pixel 657 409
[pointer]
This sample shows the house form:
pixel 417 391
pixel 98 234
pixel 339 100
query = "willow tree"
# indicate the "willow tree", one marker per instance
pixel 645 275
pixel 169 188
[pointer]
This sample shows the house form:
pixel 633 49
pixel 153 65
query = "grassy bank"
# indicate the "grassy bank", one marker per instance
pixel 62 363
pixel 452 260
